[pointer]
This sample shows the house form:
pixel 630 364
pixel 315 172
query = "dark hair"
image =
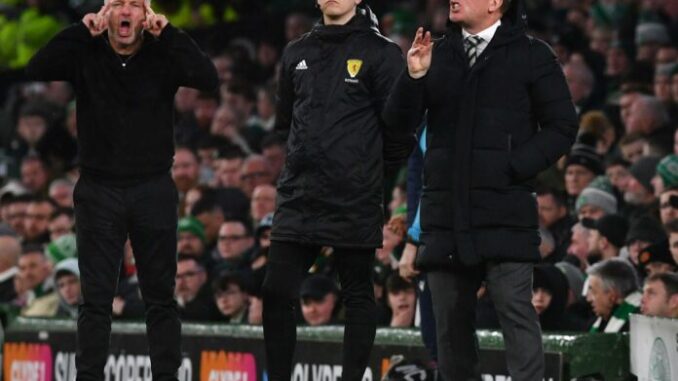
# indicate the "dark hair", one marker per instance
pixel 228 278
pixel 249 231
pixel 630 138
pixel 273 139
pixel 207 203
pixel 32 248
pixel 186 257
pixel 68 212
pixel 231 152
pixel 505 6
pixel 244 89
pixel 395 283
pixel 670 281
pixel 559 197
pixel 209 95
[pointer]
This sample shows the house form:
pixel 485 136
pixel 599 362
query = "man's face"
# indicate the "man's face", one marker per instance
pixel 617 62
pixel 403 303
pixel 636 193
pixel 212 222
pixel 204 111
pixel 601 299
pixel 619 176
pixel 228 172
pixel 595 243
pixel 34 176
pixel 579 246
pixel 579 89
pixel 318 312
pixel 337 8
pixel 37 219
pixel 185 170
pixel 60 226
pixel 125 21
pixel 233 240
pixel 16 216
pixel 31 128
pixel 666 211
pixel 590 211
pixel 68 286
pixel 190 278
pixel 190 244
pixel 577 177
pixel 625 103
pixel 62 194
pixel 263 201
pixel 673 246
pixel 633 151
pixel 254 173
pixel 655 301
pixel 662 88
pixel 470 13
pixel 225 123
pixel 541 300
pixel 231 301
pixel 549 211
pixel 275 155
pixel 34 269
pixel 635 248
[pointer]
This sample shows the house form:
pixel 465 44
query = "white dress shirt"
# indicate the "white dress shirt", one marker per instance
pixel 486 35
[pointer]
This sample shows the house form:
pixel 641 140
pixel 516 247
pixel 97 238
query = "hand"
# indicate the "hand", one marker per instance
pixel 406 265
pixel 154 23
pixel 118 306
pixel 97 23
pixel 419 55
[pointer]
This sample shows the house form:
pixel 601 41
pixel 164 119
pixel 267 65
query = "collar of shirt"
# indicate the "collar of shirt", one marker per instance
pixel 485 34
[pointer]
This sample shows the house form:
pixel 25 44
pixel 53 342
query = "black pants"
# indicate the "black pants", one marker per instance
pixel 288 263
pixel 454 305
pixel 105 217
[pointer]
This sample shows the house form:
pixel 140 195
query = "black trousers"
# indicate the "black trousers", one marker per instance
pixel 105 217
pixel 288 263
pixel 454 305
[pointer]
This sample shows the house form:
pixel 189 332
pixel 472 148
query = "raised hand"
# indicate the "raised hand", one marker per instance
pixel 97 23
pixel 154 23
pixel 419 55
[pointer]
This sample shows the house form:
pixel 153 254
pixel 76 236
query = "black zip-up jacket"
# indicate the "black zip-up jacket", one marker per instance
pixel 491 129
pixel 125 105
pixel 333 86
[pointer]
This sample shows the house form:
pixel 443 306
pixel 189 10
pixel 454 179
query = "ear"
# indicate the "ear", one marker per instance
pixel 673 302
pixel 495 5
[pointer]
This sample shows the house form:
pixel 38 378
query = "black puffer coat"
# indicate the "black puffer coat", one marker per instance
pixel 491 129
pixel 333 86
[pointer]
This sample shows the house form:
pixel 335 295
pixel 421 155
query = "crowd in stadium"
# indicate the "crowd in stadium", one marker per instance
pixel 608 211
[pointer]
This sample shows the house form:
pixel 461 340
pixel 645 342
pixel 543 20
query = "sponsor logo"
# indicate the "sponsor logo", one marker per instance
pixel 138 368
pixel 660 364
pixel 301 65
pixel 227 366
pixel 27 362
pixel 322 372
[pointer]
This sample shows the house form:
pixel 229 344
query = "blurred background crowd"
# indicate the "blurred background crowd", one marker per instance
pixel 608 210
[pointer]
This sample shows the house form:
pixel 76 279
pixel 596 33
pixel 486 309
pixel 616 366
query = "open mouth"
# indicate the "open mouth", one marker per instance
pixel 454 5
pixel 125 28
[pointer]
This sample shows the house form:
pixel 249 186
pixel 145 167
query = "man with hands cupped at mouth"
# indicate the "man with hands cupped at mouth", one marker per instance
pixel 126 63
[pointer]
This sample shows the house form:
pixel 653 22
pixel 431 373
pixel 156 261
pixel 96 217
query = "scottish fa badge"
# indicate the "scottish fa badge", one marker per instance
pixel 353 67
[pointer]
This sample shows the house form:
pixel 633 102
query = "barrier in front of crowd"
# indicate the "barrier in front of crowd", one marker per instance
pixel 654 348
pixel 44 350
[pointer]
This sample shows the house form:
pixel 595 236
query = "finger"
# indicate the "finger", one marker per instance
pixel 427 39
pixel 104 9
pixel 148 9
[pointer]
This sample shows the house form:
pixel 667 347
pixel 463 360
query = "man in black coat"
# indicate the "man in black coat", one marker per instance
pixel 498 113
pixel 334 83
pixel 126 63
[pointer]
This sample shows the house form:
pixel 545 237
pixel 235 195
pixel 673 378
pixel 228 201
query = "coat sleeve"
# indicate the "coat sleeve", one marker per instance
pixel 284 97
pixel 554 111
pixel 404 109
pixel 194 67
pixel 57 60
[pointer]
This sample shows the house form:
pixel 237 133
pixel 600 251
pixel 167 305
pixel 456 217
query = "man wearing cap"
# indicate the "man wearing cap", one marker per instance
pixel 649 117
pixel 319 298
pixel 649 37
pixel 582 166
pixel 67 284
pixel 191 237
pixel 656 259
pixel 643 232
pixel 596 200
pixel 639 195
pixel 607 236
pixel 666 176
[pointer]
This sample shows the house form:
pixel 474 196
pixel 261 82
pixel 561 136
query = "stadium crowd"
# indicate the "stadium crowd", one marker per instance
pixel 608 211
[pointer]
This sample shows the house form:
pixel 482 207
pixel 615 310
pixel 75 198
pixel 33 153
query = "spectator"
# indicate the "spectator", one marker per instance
pixel 232 299
pixel 319 297
pixel 640 193
pixel 61 191
pixel 235 245
pixel 61 223
pixel 194 296
pixel 607 236
pixel 613 295
pixel 274 149
pixel 666 175
pixel 16 213
pixel 266 110
pixel 549 297
pixel 672 232
pixel 263 201
pixel 185 170
pixel 255 171
pixel 402 300
pixel 579 246
pixel 10 249
pixel 552 209
pixel 36 223
pixel 67 282
pixel 660 296
pixel 649 37
pixel 580 81
pixel 229 167
pixel 191 238
pixel 649 118
pixel 631 146
pixel 35 285
pixel 643 232
pixel 596 200
pixel 618 173
pixel 61 249
pixel 582 166
pixel 34 175
pixel 210 214
pixel 656 259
